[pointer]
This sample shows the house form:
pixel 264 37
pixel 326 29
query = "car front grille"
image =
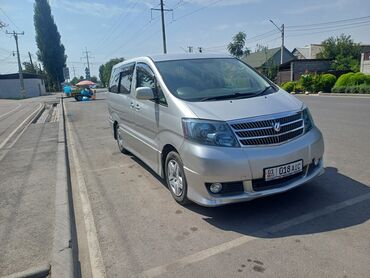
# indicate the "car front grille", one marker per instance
pixel 262 131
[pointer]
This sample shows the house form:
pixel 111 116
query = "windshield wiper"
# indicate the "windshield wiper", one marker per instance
pixel 232 96
pixel 263 91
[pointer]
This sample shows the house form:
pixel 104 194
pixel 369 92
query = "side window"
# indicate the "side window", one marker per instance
pixel 113 87
pixel 145 78
pixel 125 79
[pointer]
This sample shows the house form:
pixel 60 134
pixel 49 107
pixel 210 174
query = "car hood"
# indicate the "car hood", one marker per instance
pixel 227 110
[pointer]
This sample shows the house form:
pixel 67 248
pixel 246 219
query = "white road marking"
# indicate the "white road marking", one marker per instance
pixel 96 259
pixel 19 127
pixel 11 111
pixel 204 254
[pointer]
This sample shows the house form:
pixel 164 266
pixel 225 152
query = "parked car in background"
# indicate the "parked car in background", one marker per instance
pixel 211 126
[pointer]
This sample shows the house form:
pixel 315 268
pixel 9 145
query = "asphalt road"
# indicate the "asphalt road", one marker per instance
pixel 129 226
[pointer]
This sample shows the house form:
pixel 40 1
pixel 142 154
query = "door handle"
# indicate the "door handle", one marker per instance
pixel 137 107
pixel 132 105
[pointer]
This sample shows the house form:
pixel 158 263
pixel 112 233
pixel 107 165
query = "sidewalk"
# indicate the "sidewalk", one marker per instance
pixel 27 199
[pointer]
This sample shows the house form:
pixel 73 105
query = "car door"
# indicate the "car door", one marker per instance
pixel 147 114
pixel 121 102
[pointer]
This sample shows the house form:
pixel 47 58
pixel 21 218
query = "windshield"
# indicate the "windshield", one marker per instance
pixel 211 79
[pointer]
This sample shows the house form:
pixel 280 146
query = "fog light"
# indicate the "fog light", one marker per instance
pixel 215 187
pixel 316 161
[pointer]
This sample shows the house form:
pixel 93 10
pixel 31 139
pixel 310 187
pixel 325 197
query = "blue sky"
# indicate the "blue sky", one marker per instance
pixel 124 28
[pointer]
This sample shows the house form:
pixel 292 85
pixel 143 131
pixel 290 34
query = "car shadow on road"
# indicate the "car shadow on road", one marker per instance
pixel 330 202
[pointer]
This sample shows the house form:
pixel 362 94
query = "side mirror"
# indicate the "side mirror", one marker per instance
pixel 113 89
pixel 144 93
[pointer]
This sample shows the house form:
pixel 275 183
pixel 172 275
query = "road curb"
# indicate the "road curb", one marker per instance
pixel 34 272
pixel 62 264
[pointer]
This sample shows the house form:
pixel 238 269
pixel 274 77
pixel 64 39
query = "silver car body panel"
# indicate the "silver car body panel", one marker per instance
pixel 148 127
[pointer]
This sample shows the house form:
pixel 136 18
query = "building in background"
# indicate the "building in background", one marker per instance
pixel 266 58
pixel 293 70
pixel 10 86
pixel 310 51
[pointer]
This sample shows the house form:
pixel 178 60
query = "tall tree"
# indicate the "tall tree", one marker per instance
pixel 106 70
pixel 237 46
pixel 51 51
pixel 344 51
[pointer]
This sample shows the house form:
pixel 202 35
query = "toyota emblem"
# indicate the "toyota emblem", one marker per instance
pixel 276 126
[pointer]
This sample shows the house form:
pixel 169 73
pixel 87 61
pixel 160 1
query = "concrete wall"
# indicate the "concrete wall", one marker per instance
pixel 10 88
pixel 300 67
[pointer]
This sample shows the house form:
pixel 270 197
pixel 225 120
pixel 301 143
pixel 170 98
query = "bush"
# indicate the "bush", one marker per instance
pixel 364 88
pixel 288 86
pixel 343 79
pixel 339 89
pixel 357 89
pixel 307 82
pixel 357 79
pixel 327 82
pixel 367 80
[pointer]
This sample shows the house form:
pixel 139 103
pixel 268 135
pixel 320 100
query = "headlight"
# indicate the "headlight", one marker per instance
pixel 307 120
pixel 209 132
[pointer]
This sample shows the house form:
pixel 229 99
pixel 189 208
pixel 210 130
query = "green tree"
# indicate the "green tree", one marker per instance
pixel 105 70
pixel 237 46
pixel 51 51
pixel 344 51
pixel 29 68
pixel 74 80
pixel 94 79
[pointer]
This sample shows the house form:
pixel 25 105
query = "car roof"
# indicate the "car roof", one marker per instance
pixel 173 57
pixel 185 56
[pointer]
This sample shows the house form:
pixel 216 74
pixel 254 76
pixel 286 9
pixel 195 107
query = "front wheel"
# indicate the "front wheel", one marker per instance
pixel 175 178
pixel 119 139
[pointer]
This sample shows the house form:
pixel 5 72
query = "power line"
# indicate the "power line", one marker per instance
pixel 15 25
pixel 109 35
pixel 197 10
pixel 329 22
pixel 325 31
pixel 329 27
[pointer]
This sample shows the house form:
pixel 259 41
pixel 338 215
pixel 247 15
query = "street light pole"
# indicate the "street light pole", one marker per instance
pixel 281 29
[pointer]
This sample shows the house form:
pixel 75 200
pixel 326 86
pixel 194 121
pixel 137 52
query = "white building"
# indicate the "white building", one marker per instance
pixel 10 86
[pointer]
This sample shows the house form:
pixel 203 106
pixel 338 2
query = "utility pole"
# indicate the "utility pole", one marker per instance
pixel 281 29
pixel 33 67
pixel 74 71
pixel 162 9
pixel 87 70
pixel 15 35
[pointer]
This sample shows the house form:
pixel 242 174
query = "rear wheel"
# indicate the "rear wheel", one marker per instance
pixel 119 138
pixel 175 178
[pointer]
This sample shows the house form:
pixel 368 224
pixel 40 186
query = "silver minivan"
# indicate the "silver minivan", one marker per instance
pixel 216 130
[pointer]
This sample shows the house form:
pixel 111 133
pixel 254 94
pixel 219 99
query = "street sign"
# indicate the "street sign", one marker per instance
pixel 66 73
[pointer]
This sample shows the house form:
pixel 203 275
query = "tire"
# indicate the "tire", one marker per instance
pixel 119 138
pixel 175 178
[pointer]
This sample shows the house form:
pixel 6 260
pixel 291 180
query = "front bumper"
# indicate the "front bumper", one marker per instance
pixel 209 164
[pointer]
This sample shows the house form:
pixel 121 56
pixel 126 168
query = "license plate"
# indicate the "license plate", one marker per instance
pixel 282 171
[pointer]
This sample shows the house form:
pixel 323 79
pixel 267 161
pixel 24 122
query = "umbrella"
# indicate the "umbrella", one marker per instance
pixel 85 83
